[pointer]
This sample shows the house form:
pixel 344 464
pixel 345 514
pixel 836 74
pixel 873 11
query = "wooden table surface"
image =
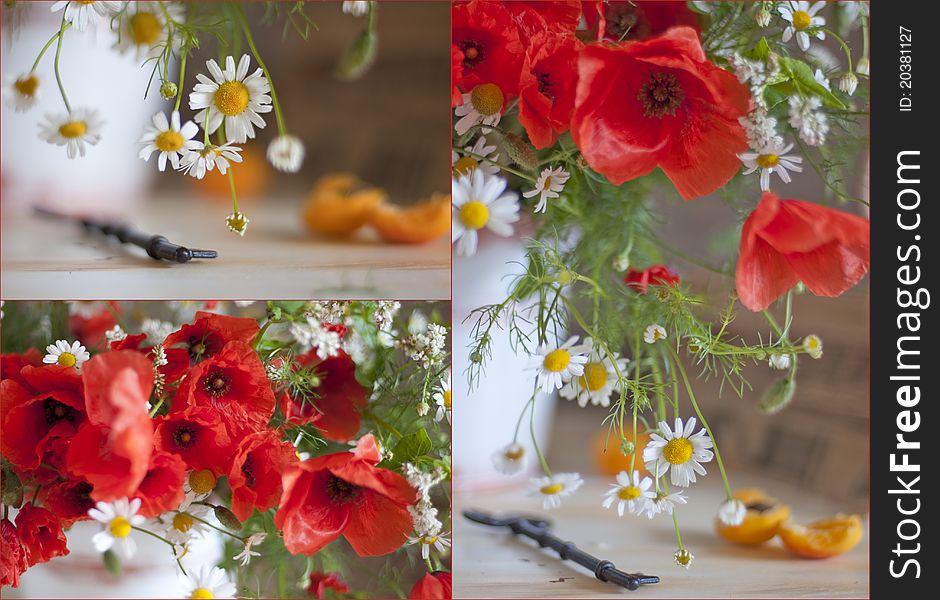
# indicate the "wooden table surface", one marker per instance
pixel 277 258
pixel 489 563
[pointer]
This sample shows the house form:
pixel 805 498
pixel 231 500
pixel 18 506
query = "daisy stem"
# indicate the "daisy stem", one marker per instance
pixel 845 47
pixel 42 52
pixel 427 562
pixel 152 534
pixel 515 172
pixel 701 417
pixel 864 37
pixel 231 185
pixel 675 523
pixel 58 76
pixel 538 451
pixel 637 353
pixel 515 436
pixel 219 529
pixel 156 407
pixel 281 126
pixel 179 89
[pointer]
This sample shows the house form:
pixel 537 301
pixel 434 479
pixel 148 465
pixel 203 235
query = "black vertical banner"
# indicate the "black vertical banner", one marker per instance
pixel 903 329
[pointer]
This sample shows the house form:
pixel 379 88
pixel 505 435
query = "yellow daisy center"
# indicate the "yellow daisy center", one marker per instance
pixel 548 184
pixel 66 359
pixel 487 99
pixel 120 527
pixel 465 165
pixel 27 86
pixel 182 522
pixel 595 376
pixel 429 539
pixel 169 141
pixel 202 482
pixel 812 343
pixel 514 453
pixel 801 19
pixel 766 161
pixel 552 489
pixel 474 214
pixel 628 493
pixel 73 129
pixel 231 98
pixel 146 28
pixel 447 402
pixel 202 593
pixel 557 360
pixel 678 451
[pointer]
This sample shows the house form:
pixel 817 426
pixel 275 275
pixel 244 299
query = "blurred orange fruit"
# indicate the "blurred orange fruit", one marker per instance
pixel 340 204
pixel 608 457
pixel 822 539
pixel 252 177
pixel 762 520
pixel 423 222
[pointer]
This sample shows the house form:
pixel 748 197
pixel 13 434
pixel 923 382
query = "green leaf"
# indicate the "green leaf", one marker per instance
pixel 778 93
pixel 803 77
pixel 410 448
pixel 760 51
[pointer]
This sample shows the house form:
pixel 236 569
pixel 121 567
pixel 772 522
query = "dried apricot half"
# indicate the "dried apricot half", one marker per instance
pixel 822 539
pixel 340 204
pixel 762 520
pixel 425 221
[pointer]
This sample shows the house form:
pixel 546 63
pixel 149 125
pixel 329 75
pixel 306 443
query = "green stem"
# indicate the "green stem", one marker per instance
pixel 42 52
pixel 535 443
pixel 156 407
pixel 260 335
pixel 231 185
pixel 845 47
pixel 152 534
pixel 58 76
pixel 179 91
pixel 675 523
pixel 281 126
pixel 219 529
pixel 515 172
pixel 864 37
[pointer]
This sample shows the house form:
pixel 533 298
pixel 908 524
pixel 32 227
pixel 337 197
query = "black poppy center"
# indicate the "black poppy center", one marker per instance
pixel 81 494
pixel 198 348
pixel 184 437
pixel 545 84
pixel 661 95
pixel 473 53
pixel 340 490
pixel 55 411
pixel 216 383
pixel 248 471
pixel 625 21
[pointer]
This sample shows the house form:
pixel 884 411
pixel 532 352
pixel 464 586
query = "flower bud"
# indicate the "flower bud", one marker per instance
pixel 863 67
pixel 112 563
pixel 848 83
pixel 168 90
pixel 777 396
pixel 763 17
pixel 358 57
pixel 520 151
pixel 237 223
pixel 227 518
pixel 683 558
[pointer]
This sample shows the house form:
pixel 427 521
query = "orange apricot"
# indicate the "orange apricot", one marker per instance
pixel 340 204
pixel 762 520
pixel 824 538
pixel 423 222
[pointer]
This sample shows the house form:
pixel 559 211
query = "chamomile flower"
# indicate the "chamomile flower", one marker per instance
pixel 683 558
pixel 769 160
pixel 653 333
pixel 81 14
pixel 630 494
pixel 557 365
pixel 599 379
pixel 201 158
pixel 813 346
pixel 803 22
pixel 286 153
pixel 778 361
pixel 73 130
pixel 247 553
pixel 118 517
pixel 21 93
pixel 143 28
pixel 168 138
pixel 180 526
pixel 65 354
pixel 848 83
pixel 481 201
pixel 662 503
pixel 510 459
pixel 732 512
pixel 477 156
pixel 438 541
pixel 549 184
pixel 232 96
pixel 209 582
pixel 482 105
pixel 553 488
pixel 678 451
pixel 198 486
pixel 443 399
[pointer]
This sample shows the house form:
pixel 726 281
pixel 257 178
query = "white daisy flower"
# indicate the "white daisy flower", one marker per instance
pixel 209 582
pixel 197 487
pixel 629 494
pixel 813 346
pixel 482 105
pixel 201 158
pixel 732 512
pixel 438 541
pixel 822 80
pixel 286 153
pixel 118 517
pixel 180 527
pixel 557 365
pixel 143 28
pixel 549 184
pixel 21 93
pixel 553 488
pixel 443 399
pixel 654 333
pixel 778 361
pixel 247 553
pixel 662 503
pixel 72 130
pixel 81 14
pixel 481 158
pixel 678 451
pixel 232 96
pixel 803 22
pixel 481 201
pixel 599 379
pixel 510 459
pixel 769 160
pixel 356 8
pixel 168 138
pixel 65 354
pixel 683 558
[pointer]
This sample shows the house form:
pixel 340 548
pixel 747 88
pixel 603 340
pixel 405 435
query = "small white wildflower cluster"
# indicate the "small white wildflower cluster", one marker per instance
pixel 159 360
pixel 426 524
pixel 157 329
pixel 427 347
pixel 115 334
pixel 329 311
pixel 756 74
pixel 384 315
pixel 312 334
pixel 808 119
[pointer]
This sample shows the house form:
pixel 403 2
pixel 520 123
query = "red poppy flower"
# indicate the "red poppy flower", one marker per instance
pixel 655 275
pixel 337 328
pixel 456 74
pixel 198 436
pixel 232 382
pixel 255 474
pixel 206 336
pixel 547 87
pixel 659 103
pixel 70 500
pixel 12 364
pixel 619 20
pixel 40 533
pixel 90 330
pixel 12 555
pixel 320 582
pixel 335 410
pixel 433 586
pixel 787 241
pixel 177 359
pixel 488 38
pixel 345 494
pixel 47 407
pixel 162 487
pixel 533 16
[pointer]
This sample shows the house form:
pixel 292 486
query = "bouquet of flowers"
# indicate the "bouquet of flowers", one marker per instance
pixel 228 100
pixel 281 434
pixel 601 113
